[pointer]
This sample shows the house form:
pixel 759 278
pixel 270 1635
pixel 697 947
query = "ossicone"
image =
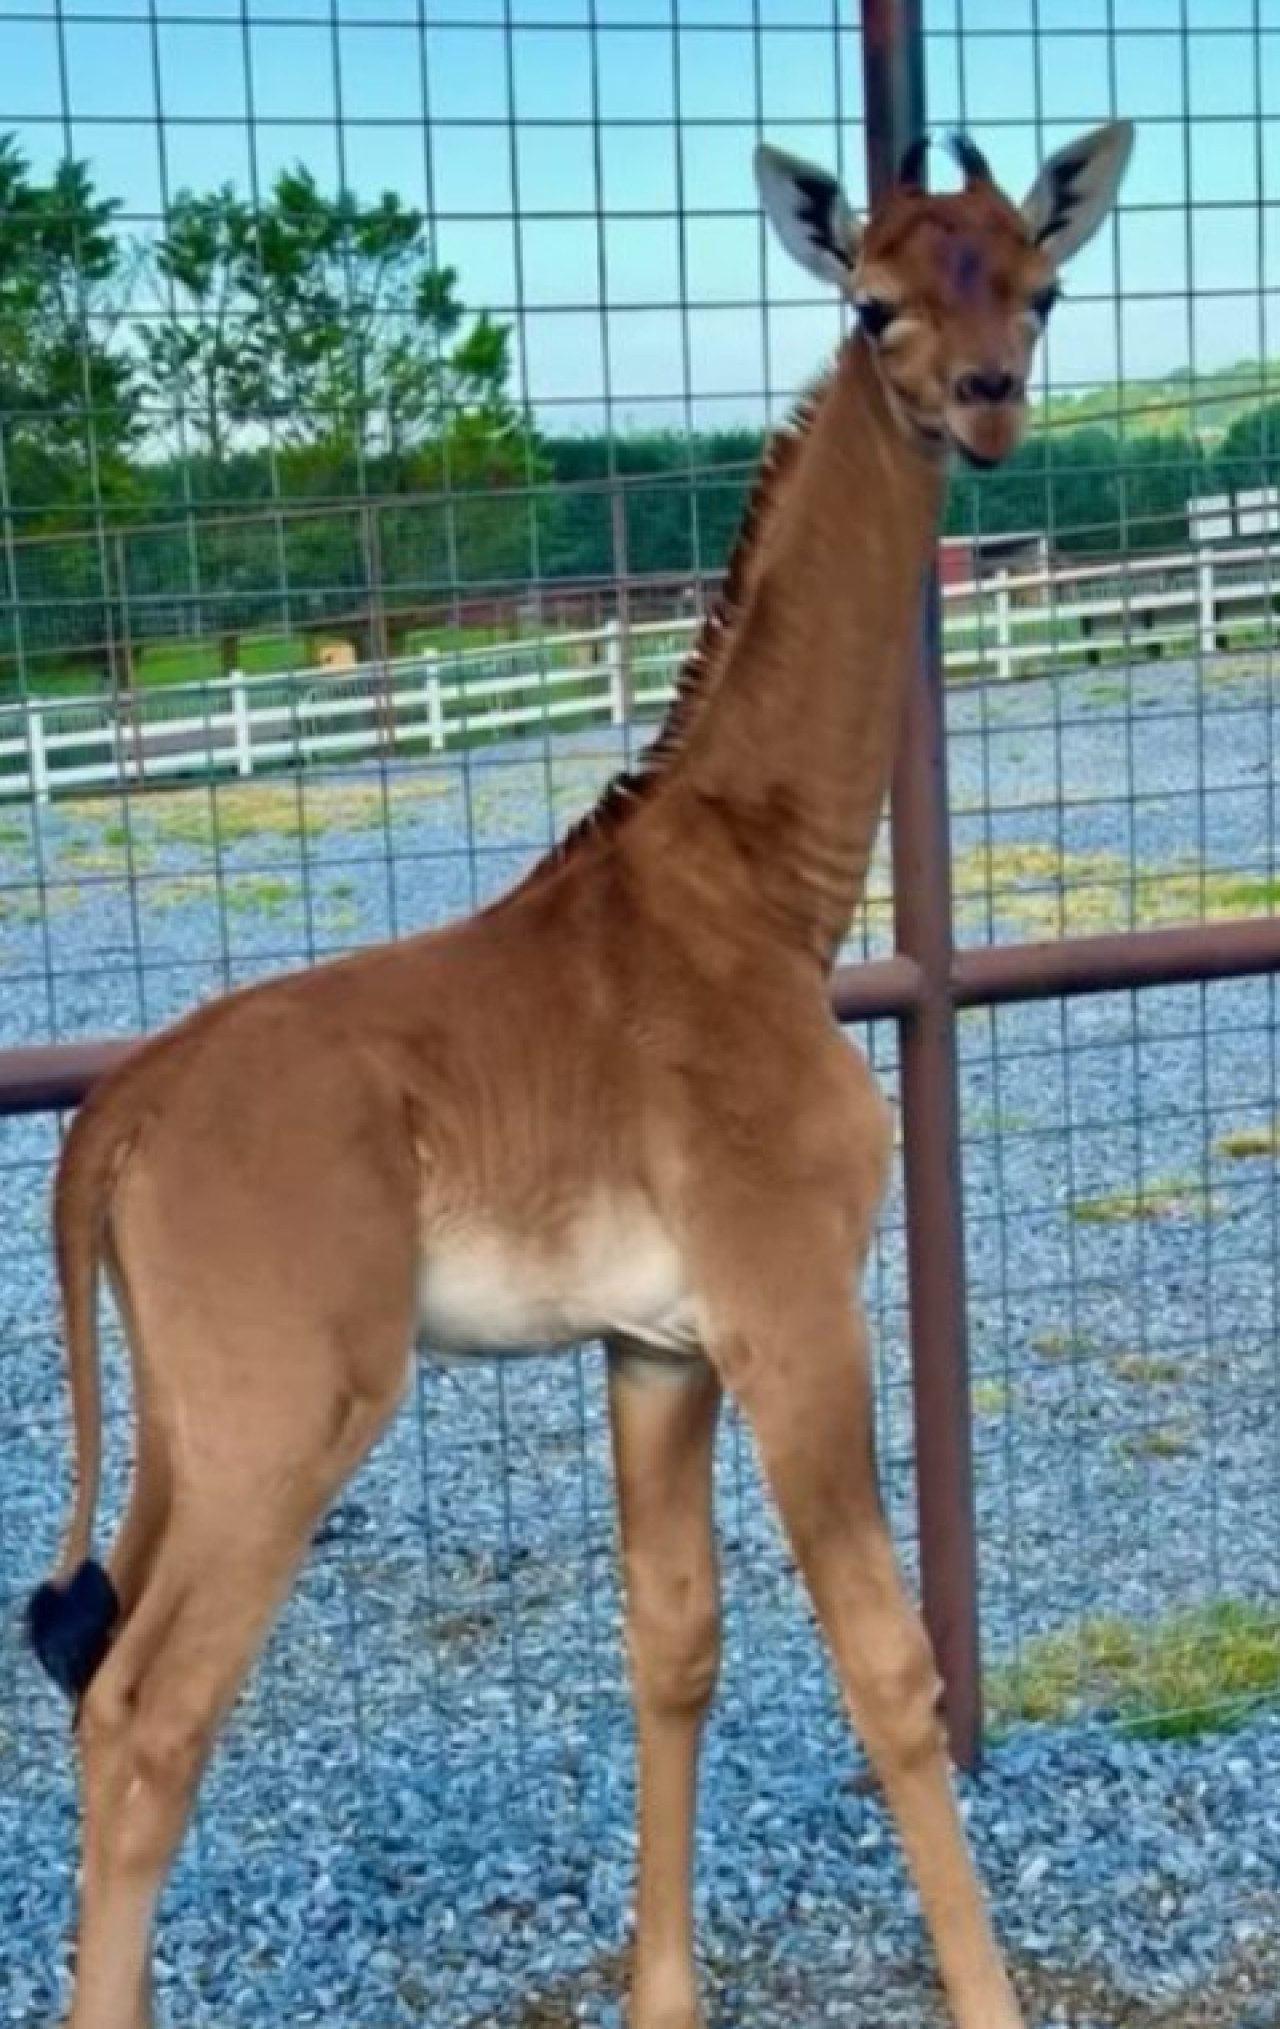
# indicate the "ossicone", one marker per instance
pixel 970 158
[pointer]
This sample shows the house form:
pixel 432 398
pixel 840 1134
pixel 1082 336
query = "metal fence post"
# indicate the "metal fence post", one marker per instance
pixel 894 75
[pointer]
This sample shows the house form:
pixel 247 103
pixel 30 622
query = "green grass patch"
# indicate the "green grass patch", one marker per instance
pixel 1061 1345
pixel 21 907
pixel 1188 1673
pixel 248 893
pixel 163 663
pixel 1146 1370
pixel 228 813
pixel 1040 889
pixel 1166 1198
pixel 176 889
pixel 1044 891
pixel 1191 894
pixel 1163 1440
pixel 201 661
pixel 990 1398
pixel 238 894
pixel 457 640
pixel 1238 1143
pixel 994 1120
pixel 1242 895
pixel 111 859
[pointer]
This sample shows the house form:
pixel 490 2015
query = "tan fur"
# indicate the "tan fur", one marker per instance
pixel 965 281
pixel 613 1104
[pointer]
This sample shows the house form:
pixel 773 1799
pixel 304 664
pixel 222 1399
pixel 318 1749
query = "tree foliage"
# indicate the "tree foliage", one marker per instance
pixel 69 396
pixel 1091 491
pixel 319 323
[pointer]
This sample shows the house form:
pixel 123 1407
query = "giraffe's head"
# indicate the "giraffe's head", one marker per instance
pixel 952 290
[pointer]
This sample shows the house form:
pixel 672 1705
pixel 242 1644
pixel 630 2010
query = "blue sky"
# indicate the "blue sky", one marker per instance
pixel 619 132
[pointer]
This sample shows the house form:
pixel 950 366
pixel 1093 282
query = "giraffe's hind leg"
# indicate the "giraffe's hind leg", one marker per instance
pixel 72 1622
pixel 230 1547
pixel 151 1486
pixel 268 1257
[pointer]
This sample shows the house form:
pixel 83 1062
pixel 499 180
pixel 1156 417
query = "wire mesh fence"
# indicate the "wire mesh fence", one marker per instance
pixel 262 422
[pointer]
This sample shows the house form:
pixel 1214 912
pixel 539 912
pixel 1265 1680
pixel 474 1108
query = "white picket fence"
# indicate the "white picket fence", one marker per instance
pixel 241 725
pixel 1006 627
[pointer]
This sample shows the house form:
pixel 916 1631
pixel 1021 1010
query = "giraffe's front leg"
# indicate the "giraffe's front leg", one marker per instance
pixel 664 1420
pixel 802 1380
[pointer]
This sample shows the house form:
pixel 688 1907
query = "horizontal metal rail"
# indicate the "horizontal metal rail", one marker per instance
pixel 53 1077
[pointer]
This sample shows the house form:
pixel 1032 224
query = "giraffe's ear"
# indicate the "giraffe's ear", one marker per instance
pixel 1076 189
pixel 809 213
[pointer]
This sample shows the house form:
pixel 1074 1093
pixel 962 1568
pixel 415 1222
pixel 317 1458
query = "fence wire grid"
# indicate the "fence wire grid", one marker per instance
pixel 377 397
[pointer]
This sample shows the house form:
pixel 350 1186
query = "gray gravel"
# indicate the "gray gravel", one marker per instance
pixel 422 1811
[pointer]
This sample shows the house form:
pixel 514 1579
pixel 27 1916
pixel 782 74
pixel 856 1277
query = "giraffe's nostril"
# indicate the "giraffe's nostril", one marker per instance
pixel 985 387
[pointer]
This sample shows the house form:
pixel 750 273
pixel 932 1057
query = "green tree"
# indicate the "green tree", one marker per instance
pixel 1159 474
pixel 321 322
pixel 1249 454
pixel 193 355
pixel 653 502
pixel 69 398
pixel 1065 482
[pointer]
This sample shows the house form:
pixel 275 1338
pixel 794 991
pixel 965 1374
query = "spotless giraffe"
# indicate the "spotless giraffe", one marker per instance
pixel 612 1105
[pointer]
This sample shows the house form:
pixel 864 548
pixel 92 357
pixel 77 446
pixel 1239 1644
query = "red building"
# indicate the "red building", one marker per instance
pixel 965 559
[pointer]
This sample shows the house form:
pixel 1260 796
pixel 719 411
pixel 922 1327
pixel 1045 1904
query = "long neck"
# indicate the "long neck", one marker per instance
pixel 785 770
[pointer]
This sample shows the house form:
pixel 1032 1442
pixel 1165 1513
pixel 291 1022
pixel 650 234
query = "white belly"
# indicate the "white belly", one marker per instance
pixel 614 1271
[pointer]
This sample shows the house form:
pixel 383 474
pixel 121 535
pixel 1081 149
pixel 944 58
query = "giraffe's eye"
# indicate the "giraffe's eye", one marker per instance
pixel 875 315
pixel 1043 301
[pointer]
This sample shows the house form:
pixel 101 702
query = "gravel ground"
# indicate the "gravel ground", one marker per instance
pixel 422 1811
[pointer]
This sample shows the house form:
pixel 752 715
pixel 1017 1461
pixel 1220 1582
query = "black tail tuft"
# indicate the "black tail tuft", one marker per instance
pixel 70 1626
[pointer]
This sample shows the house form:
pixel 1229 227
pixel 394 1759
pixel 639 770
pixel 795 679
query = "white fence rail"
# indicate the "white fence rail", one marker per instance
pixel 1008 626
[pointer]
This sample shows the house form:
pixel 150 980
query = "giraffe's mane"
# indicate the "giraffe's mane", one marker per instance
pixel 704 666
